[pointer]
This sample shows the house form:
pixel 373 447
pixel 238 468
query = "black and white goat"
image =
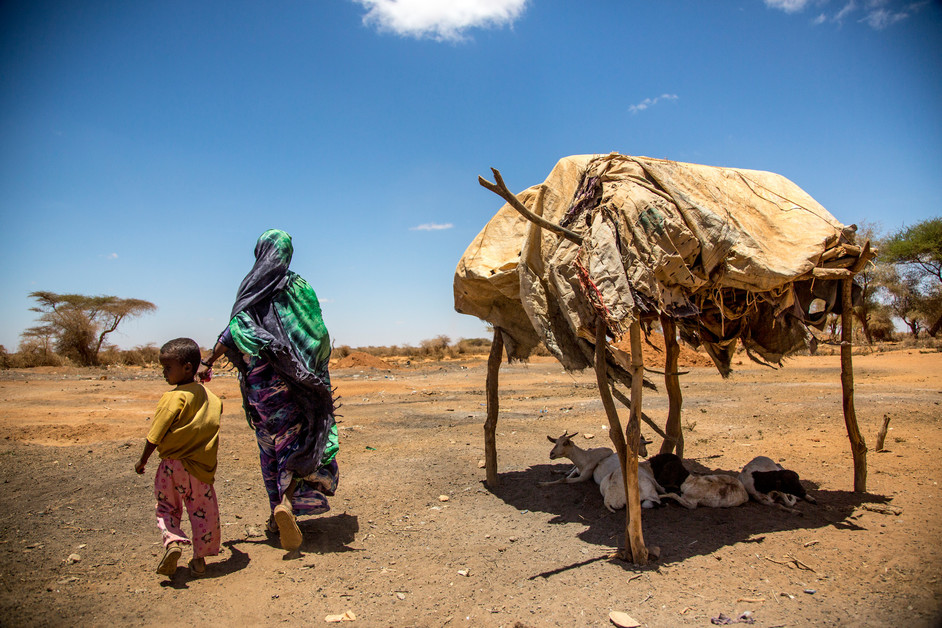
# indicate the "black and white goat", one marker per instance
pixel 770 484
pixel 689 490
pixel 602 465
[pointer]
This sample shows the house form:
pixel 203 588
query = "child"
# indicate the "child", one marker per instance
pixel 185 433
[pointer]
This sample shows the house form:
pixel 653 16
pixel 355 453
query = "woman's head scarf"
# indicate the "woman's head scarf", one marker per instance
pixel 277 316
pixel 269 275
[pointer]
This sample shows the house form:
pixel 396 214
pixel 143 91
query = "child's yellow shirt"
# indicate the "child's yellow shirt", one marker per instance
pixel 186 428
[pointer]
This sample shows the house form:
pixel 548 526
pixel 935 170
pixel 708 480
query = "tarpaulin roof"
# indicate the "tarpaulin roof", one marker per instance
pixel 727 252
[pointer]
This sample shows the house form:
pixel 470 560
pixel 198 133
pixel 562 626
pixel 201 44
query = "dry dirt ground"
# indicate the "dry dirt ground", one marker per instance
pixel 79 543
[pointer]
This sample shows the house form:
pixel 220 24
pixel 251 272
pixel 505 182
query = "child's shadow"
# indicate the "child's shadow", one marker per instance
pixel 236 561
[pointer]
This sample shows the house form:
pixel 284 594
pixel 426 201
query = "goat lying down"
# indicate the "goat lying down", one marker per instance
pixel 713 491
pixel 770 484
pixel 602 465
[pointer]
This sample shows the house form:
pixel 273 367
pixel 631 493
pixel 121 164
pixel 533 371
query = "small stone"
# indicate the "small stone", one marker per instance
pixel 811 591
pixel 252 532
pixel 73 558
pixel 481 464
pixel 463 572
pixel 443 498
pixel 400 595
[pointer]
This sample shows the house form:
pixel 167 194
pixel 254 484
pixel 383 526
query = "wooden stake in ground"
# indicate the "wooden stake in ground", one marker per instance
pixel 675 398
pixel 881 437
pixel 493 405
pixel 857 445
pixel 634 551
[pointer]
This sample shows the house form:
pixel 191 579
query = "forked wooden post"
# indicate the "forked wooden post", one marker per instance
pixel 493 406
pixel 675 398
pixel 857 445
pixel 635 550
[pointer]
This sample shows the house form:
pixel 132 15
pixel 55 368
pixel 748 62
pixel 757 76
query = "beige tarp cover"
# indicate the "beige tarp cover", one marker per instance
pixel 726 252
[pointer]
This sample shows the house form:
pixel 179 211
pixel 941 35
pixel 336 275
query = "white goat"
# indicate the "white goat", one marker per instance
pixel 714 491
pixel 770 484
pixel 603 466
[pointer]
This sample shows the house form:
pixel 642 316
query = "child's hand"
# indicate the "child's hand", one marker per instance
pixel 139 467
pixel 204 374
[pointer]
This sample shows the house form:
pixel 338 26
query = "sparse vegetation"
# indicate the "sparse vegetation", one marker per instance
pixel 77 325
pixel 34 351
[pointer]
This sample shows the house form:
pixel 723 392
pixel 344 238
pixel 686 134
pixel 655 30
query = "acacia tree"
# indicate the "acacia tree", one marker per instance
pixel 80 323
pixel 866 279
pixel 902 297
pixel 917 250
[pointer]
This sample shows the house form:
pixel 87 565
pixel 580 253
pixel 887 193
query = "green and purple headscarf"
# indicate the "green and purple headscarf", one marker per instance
pixel 277 316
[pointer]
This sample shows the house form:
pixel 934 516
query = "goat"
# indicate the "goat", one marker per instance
pixel 669 471
pixel 714 490
pixel 612 484
pixel 603 466
pixel 768 483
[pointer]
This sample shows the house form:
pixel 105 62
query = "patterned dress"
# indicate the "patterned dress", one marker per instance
pixel 276 429
pixel 277 323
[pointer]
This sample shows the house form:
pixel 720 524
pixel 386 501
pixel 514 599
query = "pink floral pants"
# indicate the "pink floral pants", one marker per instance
pixel 174 487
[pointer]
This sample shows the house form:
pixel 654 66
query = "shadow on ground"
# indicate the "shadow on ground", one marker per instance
pixel 678 532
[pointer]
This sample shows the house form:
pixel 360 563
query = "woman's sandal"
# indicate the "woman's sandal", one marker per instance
pixel 288 528
pixel 168 564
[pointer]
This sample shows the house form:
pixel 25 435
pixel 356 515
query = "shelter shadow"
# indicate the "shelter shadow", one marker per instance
pixel 679 532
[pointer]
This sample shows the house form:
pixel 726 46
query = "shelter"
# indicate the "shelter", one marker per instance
pixel 610 243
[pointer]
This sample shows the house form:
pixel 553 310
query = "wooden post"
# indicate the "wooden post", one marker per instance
pixel 881 436
pixel 635 550
pixel 633 435
pixel 493 405
pixel 675 398
pixel 857 445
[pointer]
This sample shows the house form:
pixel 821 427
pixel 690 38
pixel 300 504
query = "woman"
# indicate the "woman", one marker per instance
pixel 277 340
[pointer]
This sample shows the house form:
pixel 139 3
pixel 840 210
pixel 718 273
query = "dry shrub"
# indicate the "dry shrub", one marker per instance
pixel 138 356
pixel 25 359
pixel 881 328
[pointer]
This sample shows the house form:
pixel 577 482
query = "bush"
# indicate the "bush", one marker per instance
pixel 29 359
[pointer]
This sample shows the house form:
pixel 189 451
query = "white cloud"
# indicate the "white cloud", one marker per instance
pixel 441 20
pixel 650 102
pixel 879 18
pixel 848 8
pixel 111 256
pixel 878 14
pixel 789 6
pixel 431 226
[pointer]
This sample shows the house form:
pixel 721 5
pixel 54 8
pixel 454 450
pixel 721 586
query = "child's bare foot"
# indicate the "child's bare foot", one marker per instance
pixel 198 567
pixel 168 564
pixel 288 528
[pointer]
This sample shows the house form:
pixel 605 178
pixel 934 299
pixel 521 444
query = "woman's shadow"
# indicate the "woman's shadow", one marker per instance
pixel 321 535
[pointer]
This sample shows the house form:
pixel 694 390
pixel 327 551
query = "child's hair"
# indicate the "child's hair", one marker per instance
pixel 185 350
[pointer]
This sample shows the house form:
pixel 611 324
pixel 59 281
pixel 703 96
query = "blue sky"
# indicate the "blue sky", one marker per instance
pixel 144 146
